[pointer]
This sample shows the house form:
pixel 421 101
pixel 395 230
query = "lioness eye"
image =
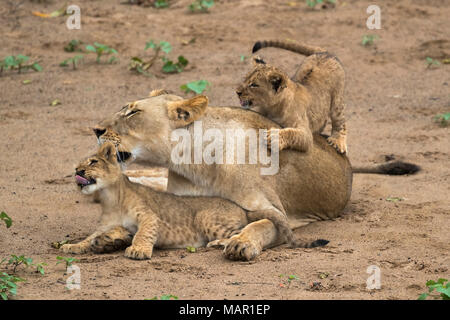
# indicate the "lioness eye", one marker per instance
pixel 92 162
pixel 253 85
pixel 132 112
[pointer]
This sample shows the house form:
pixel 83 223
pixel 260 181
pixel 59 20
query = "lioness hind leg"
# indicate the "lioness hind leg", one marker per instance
pixel 249 243
pixel 116 239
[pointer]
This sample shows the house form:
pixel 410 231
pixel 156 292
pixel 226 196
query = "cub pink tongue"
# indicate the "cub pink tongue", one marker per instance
pixel 81 180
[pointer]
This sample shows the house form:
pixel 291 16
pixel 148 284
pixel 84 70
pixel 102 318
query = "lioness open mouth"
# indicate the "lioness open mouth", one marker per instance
pixel 82 181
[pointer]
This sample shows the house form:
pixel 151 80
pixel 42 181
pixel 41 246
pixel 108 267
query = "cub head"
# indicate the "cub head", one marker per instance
pixel 141 130
pixel 99 171
pixel 262 86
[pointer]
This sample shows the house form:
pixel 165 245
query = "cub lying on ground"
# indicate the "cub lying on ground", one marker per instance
pixel 157 219
pixel 301 105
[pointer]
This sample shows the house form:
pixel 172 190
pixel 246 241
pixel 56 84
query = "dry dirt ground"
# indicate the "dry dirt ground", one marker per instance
pixel 392 98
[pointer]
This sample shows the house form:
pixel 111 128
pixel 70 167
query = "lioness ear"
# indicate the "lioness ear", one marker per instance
pixel 107 151
pixel 278 81
pixel 257 60
pixel 184 112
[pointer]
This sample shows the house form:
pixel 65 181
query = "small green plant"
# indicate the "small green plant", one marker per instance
pixel 442 287
pixel 394 199
pixel 431 62
pixel 289 278
pixel 313 3
pixel 165 297
pixel 368 39
pixel 161 4
pixel 8 285
pixel 443 119
pixel 169 65
pixel 197 87
pixel 73 46
pixel 19 63
pixel 101 50
pixel 201 5
pixel 191 249
pixel 67 260
pixel 15 261
pixel 5 218
pixel 72 61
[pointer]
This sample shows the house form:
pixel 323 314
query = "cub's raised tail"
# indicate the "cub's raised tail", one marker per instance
pixel 303 49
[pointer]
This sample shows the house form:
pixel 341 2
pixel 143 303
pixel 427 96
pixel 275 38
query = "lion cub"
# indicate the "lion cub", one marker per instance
pixel 303 104
pixel 156 219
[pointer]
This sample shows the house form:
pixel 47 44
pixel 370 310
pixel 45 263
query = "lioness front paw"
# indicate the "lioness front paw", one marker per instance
pixel 138 253
pixel 240 248
pixel 74 248
pixel 105 243
pixel 338 143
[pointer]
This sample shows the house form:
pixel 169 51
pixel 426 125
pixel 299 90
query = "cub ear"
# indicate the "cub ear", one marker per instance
pixel 186 111
pixel 257 60
pixel 278 81
pixel 107 151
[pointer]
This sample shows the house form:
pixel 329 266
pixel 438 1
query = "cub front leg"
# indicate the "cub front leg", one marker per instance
pixel 145 237
pixel 300 139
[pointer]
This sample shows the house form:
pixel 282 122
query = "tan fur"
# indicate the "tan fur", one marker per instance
pixel 303 104
pixel 156 219
pixel 309 186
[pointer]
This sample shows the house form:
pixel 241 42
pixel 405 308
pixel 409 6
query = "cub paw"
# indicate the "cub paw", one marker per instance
pixel 338 143
pixel 74 248
pixel 271 137
pixel 239 248
pixel 138 253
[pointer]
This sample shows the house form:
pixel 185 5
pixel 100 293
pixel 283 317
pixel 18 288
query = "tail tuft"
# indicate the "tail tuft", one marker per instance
pixel 258 46
pixel 319 243
pixel 399 168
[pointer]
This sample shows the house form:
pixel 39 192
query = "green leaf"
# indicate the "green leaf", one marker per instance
pixel 90 48
pixel 6 219
pixel 3 295
pixel 150 44
pixel 445 291
pixel 196 86
pixel 36 67
pixel 423 296
pixel 165 46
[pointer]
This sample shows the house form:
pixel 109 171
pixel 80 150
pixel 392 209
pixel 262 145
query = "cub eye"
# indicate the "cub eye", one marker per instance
pixel 131 113
pixel 93 162
pixel 253 85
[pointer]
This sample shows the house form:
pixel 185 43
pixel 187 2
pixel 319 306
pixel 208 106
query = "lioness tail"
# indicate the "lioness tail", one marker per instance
pixel 303 49
pixel 390 168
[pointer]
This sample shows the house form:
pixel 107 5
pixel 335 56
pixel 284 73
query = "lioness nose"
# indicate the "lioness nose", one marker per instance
pixel 99 132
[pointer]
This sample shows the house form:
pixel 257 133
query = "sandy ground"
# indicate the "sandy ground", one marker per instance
pixel 392 97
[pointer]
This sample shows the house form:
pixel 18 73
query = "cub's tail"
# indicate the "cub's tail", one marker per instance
pixel 396 168
pixel 303 49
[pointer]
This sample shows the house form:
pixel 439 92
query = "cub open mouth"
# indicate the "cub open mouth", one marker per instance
pixel 82 181
pixel 123 156
pixel 246 103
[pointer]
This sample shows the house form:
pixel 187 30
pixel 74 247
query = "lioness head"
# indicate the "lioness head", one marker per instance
pixel 141 129
pixel 98 171
pixel 262 86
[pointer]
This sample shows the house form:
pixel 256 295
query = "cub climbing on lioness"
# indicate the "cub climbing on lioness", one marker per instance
pixel 142 218
pixel 301 105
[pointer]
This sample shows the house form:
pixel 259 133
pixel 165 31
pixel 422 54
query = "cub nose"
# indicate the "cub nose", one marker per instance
pixel 99 132
pixel 80 173
pixel 239 93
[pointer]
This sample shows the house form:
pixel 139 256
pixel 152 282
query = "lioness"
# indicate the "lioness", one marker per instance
pixel 156 219
pixel 301 105
pixel 309 186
